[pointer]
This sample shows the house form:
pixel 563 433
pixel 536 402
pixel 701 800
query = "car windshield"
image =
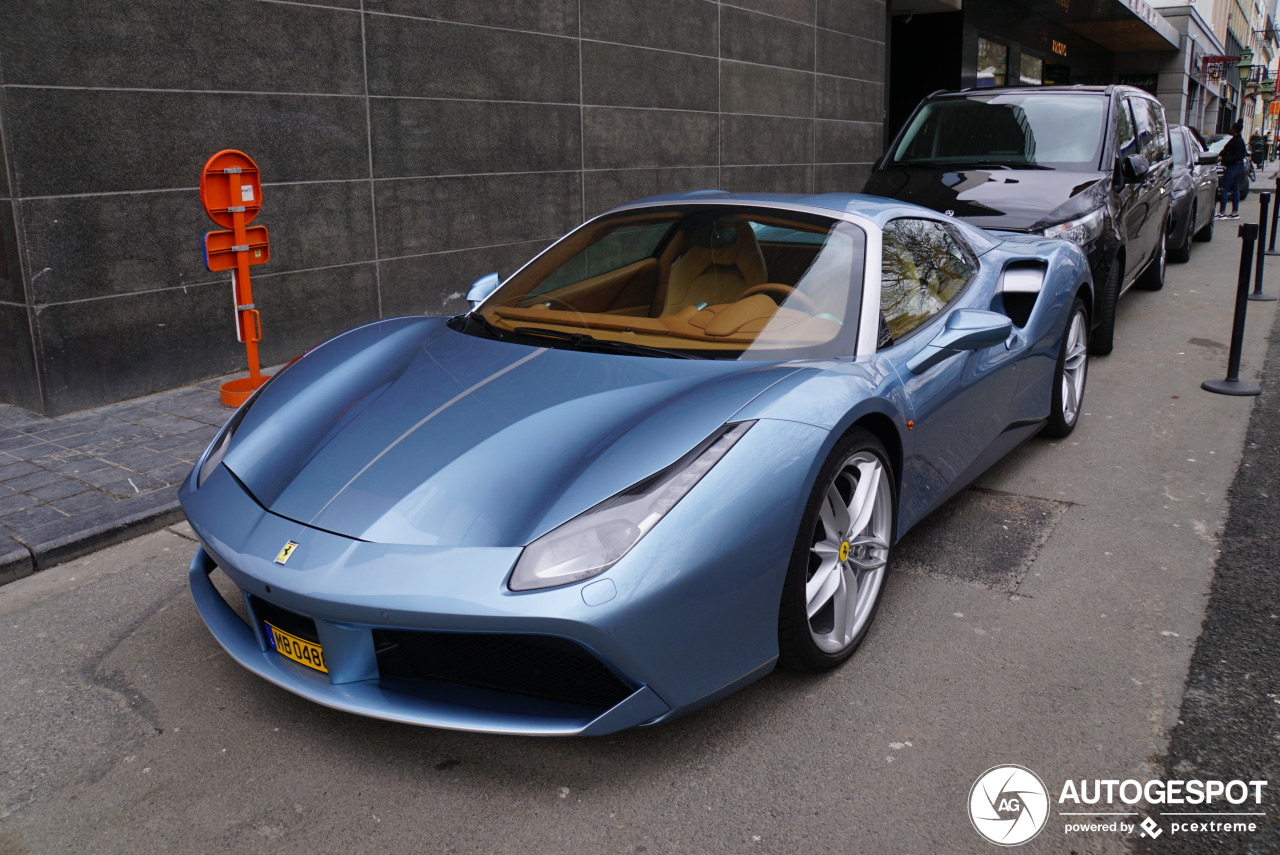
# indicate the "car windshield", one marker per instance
pixel 714 282
pixel 1180 155
pixel 1058 131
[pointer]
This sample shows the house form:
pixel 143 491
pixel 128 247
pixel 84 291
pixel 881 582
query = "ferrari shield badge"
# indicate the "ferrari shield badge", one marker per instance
pixel 285 552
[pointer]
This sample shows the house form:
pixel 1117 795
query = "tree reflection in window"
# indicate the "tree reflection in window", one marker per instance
pixel 923 269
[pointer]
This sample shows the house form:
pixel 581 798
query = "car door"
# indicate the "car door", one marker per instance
pixel 961 405
pixel 1204 175
pixel 1138 203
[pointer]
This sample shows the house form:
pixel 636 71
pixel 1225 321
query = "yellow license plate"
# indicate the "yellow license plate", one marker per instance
pixel 298 649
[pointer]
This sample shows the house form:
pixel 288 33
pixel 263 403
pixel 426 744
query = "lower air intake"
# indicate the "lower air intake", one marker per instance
pixel 538 666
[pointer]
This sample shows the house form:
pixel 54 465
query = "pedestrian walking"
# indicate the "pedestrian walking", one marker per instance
pixel 1232 157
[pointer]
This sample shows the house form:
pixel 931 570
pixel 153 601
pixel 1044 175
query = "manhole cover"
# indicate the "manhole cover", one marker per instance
pixel 981 536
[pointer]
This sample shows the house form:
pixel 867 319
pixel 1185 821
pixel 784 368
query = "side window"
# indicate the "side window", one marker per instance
pixel 925 266
pixel 1126 136
pixel 1159 147
pixel 1142 123
pixel 1182 151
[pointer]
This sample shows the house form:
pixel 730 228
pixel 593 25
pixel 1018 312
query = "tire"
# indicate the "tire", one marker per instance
pixel 1103 338
pixel 1152 279
pixel 1206 232
pixel 1070 374
pixel 836 575
pixel 1182 254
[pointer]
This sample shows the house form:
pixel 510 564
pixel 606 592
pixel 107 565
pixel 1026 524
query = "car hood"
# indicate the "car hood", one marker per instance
pixel 1010 199
pixel 409 432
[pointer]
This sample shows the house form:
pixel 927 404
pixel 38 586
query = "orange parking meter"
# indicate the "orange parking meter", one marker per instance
pixel 231 191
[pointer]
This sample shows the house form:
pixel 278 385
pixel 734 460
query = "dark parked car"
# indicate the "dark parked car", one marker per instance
pixel 1195 192
pixel 1087 163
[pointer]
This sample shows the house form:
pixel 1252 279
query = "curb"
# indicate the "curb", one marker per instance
pixel 22 557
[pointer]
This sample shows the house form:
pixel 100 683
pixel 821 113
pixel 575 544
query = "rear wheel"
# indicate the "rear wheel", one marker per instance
pixel 1182 254
pixel 1152 279
pixel 838 564
pixel 1103 339
pixel 1206 232
pixel 1070 374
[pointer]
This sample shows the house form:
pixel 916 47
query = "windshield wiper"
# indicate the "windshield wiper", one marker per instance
pixel 584 340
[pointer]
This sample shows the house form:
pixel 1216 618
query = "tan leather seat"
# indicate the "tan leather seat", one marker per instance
pixel 720 261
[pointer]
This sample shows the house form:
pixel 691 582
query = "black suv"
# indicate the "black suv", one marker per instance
pixel 1087 163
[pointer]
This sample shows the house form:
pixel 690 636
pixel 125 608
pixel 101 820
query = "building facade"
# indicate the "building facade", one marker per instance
pixel 406 148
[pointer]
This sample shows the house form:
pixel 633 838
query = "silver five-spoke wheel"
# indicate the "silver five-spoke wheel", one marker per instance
pixel 1070 374
pixel 838 569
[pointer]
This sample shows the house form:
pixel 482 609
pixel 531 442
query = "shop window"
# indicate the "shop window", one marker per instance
pixel 993 63
pixel 1032 70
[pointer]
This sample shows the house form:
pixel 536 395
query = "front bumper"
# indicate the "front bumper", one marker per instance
pixel 349 651
pixel 687 617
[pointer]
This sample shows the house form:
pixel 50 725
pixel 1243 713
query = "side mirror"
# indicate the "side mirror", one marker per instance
pixel 1134 168
pixel 966 329
pixel 482 288
pixel 1207 158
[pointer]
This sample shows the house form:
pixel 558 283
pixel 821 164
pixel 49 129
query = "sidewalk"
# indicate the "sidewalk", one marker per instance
pixel 73 484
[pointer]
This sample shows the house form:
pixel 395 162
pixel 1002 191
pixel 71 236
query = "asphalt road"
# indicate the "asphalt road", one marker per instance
pixel 1047 618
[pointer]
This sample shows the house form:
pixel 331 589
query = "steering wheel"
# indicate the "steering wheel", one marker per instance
pixel 783 293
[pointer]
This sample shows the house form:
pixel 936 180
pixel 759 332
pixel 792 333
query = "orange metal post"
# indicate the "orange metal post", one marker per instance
pixel 231 201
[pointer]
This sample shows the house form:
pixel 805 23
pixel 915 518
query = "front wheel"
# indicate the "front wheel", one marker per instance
pixel 1070 374
pixel 1103 339
pixel 837 568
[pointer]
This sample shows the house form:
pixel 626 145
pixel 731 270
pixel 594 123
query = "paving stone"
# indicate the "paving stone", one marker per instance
pixel 16 502
pixel 174 473
pixel 37 515
pixel 190 452
pixel 39 478
pixel 169 424
pixel 107 475
pixel 62 461
pixel 137 458
pixel 165 443
pixel 17 470
pixel 57 431
pixel 60 489
pixel 88 501
pixel 133 485
pixel 82 467
pixel 19 445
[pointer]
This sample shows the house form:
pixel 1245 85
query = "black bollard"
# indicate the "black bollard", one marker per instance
pixel 1275 216
pixel 1233 385
pixel 1264 199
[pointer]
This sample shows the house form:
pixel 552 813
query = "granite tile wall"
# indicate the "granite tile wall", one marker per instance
pixel 406 148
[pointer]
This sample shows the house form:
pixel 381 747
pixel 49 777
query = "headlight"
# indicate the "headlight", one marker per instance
pixel 1082 231
pixel 1180 190
pixel 595 540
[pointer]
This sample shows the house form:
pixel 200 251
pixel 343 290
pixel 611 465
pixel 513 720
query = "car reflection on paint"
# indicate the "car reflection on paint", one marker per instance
pixel 670 453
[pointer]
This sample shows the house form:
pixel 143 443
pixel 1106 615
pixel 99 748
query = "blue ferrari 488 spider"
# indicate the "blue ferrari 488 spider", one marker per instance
pixel 671 452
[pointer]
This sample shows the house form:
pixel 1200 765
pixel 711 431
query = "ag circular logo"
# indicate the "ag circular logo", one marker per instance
pixel 1008 805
